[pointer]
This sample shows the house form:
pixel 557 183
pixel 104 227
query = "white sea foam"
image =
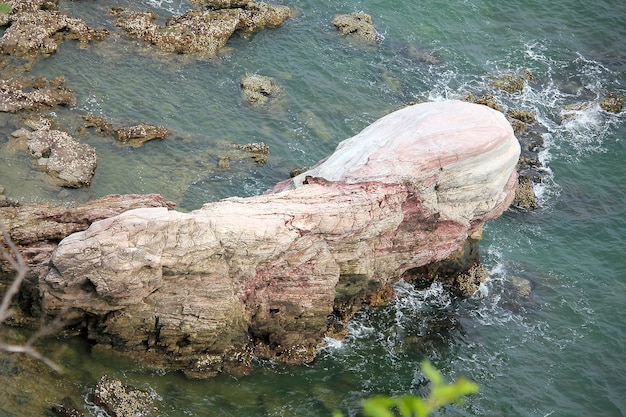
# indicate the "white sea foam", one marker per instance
pixel 172 6
pixel 92 104
pixel 565 96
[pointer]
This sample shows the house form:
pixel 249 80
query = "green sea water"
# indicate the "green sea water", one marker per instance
pixel 559 352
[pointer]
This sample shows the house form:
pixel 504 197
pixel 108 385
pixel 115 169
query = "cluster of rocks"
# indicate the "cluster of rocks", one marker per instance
pixel 30 93
pixel 203 32
pixel 530 132
pixel 37 27
pixel 71 163
pixel 527 131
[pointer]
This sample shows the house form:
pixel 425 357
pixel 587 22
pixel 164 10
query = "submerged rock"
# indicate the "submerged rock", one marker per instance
pixel 356 24
pixel 205 291
pixel 139 134
pixel 18 94
pixel 521 287
pixel 66 408
pixel 259 89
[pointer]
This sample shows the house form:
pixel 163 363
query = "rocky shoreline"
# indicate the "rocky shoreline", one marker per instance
pixel 265 325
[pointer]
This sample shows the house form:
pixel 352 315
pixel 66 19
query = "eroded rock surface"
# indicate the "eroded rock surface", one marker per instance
pixel 356 24
pixel 120 400
pixel 36 27
pixel 137 135
pixel 259 89
pixel 205 291
pixel 201 32
pixel 70 162
pixel 36 229
pixel 33 94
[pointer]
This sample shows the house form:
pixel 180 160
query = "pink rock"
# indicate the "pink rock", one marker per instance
pixel 206 290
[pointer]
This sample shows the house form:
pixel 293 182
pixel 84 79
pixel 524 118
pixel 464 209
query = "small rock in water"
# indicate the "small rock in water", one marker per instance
pixel 139 134
pixel 612 103
pixel 522 287
pixel 259 151
pixel 66 408
pixel 120 400
pixel 356 24
pixel 525 197
pixel 259 89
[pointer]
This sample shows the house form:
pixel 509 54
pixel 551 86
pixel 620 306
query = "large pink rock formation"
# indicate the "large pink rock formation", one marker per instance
pixel 205 291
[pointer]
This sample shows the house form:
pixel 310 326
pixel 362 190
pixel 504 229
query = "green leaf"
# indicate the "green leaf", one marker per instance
pixel 432 373
pixel 450 393
pixel 411 405
pixel 5 8
pixel 379 406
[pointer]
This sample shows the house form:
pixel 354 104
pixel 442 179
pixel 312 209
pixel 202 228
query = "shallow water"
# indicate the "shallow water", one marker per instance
pixel 559 352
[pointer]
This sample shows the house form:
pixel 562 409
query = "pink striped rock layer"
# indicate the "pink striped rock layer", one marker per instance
pixel 205 291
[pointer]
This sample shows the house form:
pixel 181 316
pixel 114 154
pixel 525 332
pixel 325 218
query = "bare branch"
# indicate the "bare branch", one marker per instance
pixel 32 352
pixel 18 264
pixel 16 261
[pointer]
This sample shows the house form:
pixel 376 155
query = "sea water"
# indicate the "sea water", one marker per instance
pixel 559 352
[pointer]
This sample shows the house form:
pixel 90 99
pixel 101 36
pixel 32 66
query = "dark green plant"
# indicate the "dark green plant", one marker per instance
pixel 440 394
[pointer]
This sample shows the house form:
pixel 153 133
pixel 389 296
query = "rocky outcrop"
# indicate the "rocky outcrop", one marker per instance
pixel 525 197
pixel 513 83
pixel 37 229
pixel 201 32
pixel 356 24
pixel 33 94
pixel 205 291
pixel 258 151
pixel 71 163
pixel 36 27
